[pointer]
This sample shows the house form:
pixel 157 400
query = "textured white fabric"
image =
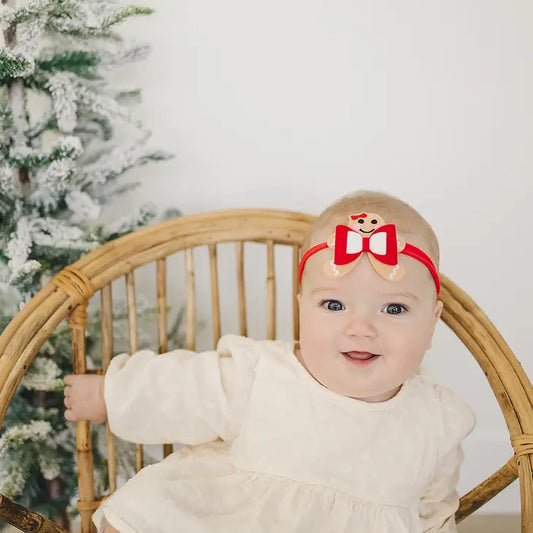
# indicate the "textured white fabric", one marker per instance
pixel 295 457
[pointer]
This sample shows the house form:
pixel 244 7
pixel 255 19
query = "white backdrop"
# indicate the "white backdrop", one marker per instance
pixel 292 103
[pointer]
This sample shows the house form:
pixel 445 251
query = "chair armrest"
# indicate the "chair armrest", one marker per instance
pixel 26 520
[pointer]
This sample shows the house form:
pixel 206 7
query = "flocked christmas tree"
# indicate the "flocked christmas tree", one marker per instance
pixel 59 164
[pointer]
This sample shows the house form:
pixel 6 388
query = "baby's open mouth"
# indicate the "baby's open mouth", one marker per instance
pixel 360 356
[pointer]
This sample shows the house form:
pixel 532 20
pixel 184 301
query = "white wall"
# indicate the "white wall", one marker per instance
pixel 292 103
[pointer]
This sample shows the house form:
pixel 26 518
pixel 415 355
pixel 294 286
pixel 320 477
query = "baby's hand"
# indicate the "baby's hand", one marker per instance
pixel 84 398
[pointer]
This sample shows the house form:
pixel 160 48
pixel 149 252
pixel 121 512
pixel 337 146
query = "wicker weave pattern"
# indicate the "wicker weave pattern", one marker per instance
pixel 68 294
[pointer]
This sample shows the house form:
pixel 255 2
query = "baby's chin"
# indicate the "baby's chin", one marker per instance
pixel 362 392
pixel 378 397
pixel 367 394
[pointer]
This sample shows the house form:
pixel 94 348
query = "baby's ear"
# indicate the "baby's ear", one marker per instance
pixel 437 309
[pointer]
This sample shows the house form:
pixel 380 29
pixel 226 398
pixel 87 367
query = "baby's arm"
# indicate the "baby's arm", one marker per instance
pixel 84 398
pixel 180 396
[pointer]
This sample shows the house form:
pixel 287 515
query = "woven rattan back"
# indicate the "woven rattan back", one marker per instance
pixel 68 295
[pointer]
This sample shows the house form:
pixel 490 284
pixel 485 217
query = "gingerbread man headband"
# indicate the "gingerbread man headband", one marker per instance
pixel 368 233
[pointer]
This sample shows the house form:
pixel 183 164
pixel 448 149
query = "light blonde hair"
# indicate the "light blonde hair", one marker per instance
pixel 411 225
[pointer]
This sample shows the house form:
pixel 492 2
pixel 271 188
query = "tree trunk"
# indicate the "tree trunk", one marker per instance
pixel 55 488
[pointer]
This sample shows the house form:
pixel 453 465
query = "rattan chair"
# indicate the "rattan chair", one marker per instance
pixel 68 294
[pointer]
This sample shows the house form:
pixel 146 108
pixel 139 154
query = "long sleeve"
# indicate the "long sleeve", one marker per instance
pixel 440 502
pixel 180 396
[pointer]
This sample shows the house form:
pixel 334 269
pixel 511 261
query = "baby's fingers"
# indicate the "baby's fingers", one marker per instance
pixel 69 379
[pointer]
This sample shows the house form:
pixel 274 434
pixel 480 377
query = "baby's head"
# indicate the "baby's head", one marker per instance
pixel 365 324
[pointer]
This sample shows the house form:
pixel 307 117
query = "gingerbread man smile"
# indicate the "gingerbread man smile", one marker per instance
pixel 364 223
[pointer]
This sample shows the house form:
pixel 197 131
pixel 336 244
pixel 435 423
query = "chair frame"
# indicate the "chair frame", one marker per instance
pixel 67 296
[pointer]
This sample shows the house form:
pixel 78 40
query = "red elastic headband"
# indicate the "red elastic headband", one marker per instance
pixel 342 258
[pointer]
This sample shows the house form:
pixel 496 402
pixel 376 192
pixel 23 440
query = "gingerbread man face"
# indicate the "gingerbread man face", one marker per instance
pixel 366 224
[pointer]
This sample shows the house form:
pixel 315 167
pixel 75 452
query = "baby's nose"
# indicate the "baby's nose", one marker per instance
pixel 360 325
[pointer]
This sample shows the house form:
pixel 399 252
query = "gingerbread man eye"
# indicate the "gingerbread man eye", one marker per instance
pixel 374 221
pixel 361 221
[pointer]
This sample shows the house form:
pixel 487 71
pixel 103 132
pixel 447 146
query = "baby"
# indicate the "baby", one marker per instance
pixel 338 432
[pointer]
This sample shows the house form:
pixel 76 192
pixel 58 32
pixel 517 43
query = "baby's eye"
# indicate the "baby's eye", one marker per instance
pixel 394 309
pixel 332 305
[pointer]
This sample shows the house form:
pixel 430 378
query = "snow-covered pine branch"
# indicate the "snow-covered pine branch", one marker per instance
pixel 43 374
pixel 117 161
pixel 129 223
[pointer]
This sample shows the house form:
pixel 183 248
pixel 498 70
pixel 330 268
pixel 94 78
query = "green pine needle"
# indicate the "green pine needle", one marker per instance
pixel 125 13
pixel 127 97
pixel 39 161
pixel 79 62
pixel 6 119
pixel 12 66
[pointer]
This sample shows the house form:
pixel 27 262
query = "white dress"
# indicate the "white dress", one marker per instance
pixel 294 456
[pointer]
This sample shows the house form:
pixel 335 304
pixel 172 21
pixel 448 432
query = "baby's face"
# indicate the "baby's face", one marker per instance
pixel 361 335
